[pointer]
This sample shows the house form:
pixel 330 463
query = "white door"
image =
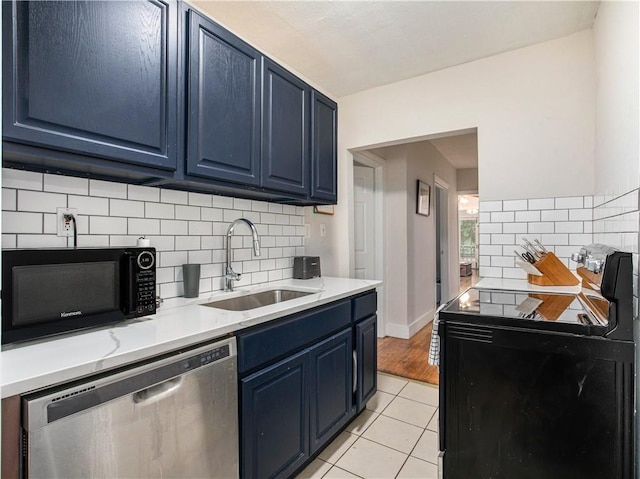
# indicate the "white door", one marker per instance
pixel 364 234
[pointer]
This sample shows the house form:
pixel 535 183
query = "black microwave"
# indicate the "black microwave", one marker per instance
pixel 51 291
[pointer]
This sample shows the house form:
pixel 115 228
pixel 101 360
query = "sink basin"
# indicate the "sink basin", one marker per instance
pixel 256 300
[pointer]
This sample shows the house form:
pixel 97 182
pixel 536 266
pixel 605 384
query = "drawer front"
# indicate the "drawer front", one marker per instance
pixel 283 337
pixel 365 305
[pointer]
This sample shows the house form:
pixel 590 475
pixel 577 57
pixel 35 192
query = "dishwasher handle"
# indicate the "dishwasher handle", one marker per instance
pixel 157 391
pixel 145 382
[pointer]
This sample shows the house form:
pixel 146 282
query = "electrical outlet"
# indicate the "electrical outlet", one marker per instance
pixel 65 227
pixel 323 230
pixel 307 230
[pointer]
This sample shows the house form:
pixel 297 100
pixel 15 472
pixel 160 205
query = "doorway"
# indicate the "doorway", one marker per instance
pixel 468 239
pixel 442 240
pixel 368 222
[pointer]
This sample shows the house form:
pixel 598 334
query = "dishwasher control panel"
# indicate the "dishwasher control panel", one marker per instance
pixel 209 357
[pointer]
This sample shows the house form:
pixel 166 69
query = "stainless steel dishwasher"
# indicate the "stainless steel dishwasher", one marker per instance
pixel 173 417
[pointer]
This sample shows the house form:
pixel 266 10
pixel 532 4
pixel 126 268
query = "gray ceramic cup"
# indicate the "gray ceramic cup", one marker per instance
pixel 191 278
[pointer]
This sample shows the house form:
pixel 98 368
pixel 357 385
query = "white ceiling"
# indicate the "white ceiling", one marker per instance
pixel 347 46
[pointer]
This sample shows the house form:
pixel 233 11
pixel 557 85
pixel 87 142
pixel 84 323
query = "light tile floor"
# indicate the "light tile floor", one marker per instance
pixel 395 437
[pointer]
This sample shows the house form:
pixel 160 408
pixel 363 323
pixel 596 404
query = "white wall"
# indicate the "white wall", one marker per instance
pixel 617 163
pixel 533 108
pixel 616 46
pixel 467 179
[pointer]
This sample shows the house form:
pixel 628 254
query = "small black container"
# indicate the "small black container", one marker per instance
pixel 306 267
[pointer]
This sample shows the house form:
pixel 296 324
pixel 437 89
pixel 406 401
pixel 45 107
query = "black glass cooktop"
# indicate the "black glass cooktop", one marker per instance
pixel 546 307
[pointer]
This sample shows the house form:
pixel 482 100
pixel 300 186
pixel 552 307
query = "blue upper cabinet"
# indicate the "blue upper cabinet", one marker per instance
pixel 324 138
pixel 93 78
pixel 285 131
pixel 223 115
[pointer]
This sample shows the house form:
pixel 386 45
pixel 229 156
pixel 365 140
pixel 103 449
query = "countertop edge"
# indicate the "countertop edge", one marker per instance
pixel 88 366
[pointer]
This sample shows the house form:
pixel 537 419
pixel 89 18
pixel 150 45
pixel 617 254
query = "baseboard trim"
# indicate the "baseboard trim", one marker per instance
pixel 403 331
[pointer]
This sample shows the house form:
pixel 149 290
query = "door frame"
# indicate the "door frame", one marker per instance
pixel 370 160
pixel 445 272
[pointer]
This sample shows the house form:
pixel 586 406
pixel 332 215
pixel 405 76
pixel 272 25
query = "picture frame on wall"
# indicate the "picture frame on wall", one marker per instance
pixel 423 201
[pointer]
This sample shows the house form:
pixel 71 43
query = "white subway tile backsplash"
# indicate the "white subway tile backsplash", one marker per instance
pixel 200 257
pixel 503 239
pixel 542 204
pixel 143 193
pixel 513 205
pixel 181 226
pixel 503 261
pixel 200 228
pixel 143 227
pixel 570 227
pixel 104 225
pixel 221 202
pixel 66 184
pixel 22 180
pixel 580 239
pixel 199 199
pixel 174 227
pixel 9 199
pixel 486 248
pixel 159 210
pixel 275 275
pixel 14 222
pixel 581 215
pixel 172 258
pixel 487 228
pixel 588 201
pixel 554 215
pixel 572 202
pixel 89 205
pixel 556 239
pixel 517 228
pixel 488 206
pixel 126 208
pixel 122 241
pixel 40 202
pixel 106 189
pixel 275 208
pixel 241 204
pixel 260 206
pixel 490 272
pixel 503 217
pixel 41 241
pixel 541 227
pixel 9 241
pixel 187 212
pixel 174 196
pixel 211 214
pixel 527 216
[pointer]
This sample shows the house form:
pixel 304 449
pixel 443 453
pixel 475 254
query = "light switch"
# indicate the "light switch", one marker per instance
pixel 323 230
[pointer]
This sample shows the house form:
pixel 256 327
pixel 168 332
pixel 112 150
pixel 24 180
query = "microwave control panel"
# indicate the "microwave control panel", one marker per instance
pixel 143 283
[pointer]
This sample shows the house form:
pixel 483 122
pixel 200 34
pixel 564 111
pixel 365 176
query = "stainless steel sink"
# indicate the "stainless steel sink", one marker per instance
pixel 256 300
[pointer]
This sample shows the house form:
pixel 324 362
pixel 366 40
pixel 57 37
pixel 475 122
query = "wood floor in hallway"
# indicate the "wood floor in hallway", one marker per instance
pixel 409 357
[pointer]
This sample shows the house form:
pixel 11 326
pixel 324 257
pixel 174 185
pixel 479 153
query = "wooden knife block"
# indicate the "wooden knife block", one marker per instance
pixel 554 273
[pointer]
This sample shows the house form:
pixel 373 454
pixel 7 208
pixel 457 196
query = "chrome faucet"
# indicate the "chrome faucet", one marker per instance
pixel 229 274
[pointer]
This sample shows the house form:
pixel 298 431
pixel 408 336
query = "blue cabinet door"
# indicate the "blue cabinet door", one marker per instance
pixel 274 419
pixel 324 137
pixel 331 387
pixel 367 360
pixel 97 78
pixel 285 131
pixel 223 104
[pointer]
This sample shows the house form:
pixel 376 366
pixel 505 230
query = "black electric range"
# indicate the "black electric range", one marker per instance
pixel 540 385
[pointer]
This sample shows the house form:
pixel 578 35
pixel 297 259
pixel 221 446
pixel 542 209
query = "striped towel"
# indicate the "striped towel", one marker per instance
pixel 434 347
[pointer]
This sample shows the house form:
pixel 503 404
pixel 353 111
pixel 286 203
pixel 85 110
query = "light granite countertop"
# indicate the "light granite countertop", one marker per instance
pixel 180 322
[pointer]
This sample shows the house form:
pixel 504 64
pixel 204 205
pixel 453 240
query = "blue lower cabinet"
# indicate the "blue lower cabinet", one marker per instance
pixel 274 413
pixel 331 387
pixel 367 360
